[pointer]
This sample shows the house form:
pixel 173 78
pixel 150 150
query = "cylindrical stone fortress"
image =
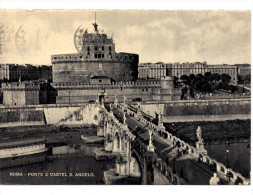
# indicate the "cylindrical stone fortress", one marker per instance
pixel 96 57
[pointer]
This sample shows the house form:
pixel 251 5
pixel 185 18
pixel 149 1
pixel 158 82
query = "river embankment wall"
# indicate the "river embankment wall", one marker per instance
pixel 86 114
pixel 198 110
pixel 48 115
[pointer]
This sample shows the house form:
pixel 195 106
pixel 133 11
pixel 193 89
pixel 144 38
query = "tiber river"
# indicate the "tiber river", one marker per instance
pixel 77 165
pixel 66 165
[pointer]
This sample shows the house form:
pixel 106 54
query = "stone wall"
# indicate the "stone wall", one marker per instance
pixel 82 71
pixel 21 117
pixel 72 115
pixel 199 107
pixel 48 114
pixel 77 96
pixel 160 179
pixel 14 97
pixel 153 90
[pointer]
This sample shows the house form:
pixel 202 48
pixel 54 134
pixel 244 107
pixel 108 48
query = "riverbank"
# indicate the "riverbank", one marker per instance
pixel 195 118
pixel 54 135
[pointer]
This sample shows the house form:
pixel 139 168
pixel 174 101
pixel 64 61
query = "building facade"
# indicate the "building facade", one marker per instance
pixel 179 69
pixel 27 72
pixel 244 69
pixel 152 70
pixel 231 70
pixel 158 70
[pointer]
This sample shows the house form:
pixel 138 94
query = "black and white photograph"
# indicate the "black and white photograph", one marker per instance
pixel 125 97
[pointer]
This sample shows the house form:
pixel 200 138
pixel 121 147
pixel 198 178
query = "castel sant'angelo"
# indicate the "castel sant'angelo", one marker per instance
pixel 98 70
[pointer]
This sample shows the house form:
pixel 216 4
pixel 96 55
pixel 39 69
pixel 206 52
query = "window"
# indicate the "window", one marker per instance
pixel 103 55
pixel 96 48
pixel 88 48
pixel 99 55
pixel 95 56
pixel 110 48
pixel 103 48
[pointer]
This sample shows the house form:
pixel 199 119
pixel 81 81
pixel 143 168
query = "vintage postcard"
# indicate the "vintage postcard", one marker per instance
pixel 125 97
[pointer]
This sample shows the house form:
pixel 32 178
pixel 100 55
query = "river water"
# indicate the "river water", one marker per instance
pixel 62 165
pixel 238 157
pixel 76 164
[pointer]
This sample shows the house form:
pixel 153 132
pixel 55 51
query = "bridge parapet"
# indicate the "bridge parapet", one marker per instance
pixel 117 139
pixel 223 171
pixel 167 171
pixel 218 167
pixel 181 146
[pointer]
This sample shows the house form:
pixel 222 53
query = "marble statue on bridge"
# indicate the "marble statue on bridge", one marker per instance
pixel 215 180
pixel 199 134
pixel 151 147
pixel 200 143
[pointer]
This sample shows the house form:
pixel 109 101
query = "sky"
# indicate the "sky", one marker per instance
pixel 217 37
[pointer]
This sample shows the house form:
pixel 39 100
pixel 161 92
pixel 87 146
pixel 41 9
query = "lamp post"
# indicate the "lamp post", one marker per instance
pixel 229 175
pixel 227 157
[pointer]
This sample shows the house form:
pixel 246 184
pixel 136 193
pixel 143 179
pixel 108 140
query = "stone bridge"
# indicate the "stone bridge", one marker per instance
pixel 147 150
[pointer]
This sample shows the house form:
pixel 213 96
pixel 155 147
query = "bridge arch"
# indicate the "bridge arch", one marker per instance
pixel 146 169
pixel 135 167
pixel 137 161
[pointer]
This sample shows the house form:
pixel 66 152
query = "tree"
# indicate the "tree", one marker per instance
pixel 244 79
pixel 185 79
pixel 176 83
pixel 216 77
pixel 247 79
pixel 224 86
pixel 199 77
pixel 240 80
pixel 233 88
pixel 208 76
pixel 212 88
pixel 225 78
pixel 205 87
pixel 192 92
pixel 192 76
pixel 197 85
pixel 184 92
pixel 218 86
